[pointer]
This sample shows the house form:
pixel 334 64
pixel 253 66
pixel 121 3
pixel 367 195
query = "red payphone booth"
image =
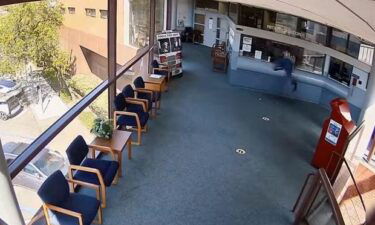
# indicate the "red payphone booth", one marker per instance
pixel 335 133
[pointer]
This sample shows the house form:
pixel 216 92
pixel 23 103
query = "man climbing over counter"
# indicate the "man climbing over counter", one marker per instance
pixel 286 63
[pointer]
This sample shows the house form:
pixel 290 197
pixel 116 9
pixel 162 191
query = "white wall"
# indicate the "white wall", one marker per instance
pixel 185 9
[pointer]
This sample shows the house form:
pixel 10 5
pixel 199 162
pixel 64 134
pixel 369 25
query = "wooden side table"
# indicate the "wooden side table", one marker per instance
pixel 155 84
pixel 116 145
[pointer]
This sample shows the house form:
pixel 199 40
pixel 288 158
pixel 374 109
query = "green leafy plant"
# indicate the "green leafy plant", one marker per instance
pixel 102 128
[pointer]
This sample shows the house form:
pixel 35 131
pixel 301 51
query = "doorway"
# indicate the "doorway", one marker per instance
pixel 214 27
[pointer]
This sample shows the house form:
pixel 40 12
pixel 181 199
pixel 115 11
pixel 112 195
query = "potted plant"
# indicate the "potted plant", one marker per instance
pixel 102 128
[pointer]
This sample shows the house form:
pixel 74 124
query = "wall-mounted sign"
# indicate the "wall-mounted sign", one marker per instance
pixel 210 23
pixel 258 54
pixel 231 36
pixel 333 132
pixel 247 40
pixel 246 48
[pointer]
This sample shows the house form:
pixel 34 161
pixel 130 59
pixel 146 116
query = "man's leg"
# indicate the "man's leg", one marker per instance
pixel 294 83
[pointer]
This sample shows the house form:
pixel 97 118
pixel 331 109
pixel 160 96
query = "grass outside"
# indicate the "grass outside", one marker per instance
pixel 82 84
pixel 87 118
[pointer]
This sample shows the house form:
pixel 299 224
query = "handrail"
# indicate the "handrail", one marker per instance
pixel 303 190
pixel 351 175
pixel 47 136
pixel 331 196
pixel 320 180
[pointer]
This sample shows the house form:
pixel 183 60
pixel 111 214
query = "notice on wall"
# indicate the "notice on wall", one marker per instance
pixel 247 40
pixel 246 48
pixel 333 132
pixel 258 54
pixel 210 23
pixel 231 36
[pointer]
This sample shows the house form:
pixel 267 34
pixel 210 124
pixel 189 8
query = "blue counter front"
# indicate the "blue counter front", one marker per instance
pixel 259 75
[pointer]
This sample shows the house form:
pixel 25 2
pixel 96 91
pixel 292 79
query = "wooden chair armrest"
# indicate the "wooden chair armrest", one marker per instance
pixel 85 184
pixel 103 149
pixel 137 101
pixel 124 113
pixel 88 185
pixel 144 90
pixel 65 211
pixel 86 169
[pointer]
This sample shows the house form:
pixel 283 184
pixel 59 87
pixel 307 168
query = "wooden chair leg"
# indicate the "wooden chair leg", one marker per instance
pixel 139 131
pixel 45 210
pixel 158 104
pixel 103 196
pixel 99 216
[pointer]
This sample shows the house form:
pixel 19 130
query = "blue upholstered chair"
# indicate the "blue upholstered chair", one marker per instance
pixel 68 208
pixel 132 99
pixel 91 171
pixel 140 86
pixel 127 115
pixel 161 70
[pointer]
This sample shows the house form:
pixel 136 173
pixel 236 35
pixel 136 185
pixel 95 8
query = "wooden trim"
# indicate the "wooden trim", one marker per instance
pixel 137 101
pixel 103 149
pixel 9 2
pixel 151 32
pixel 331 196
pixel 139 127
pixel 143 90
pixel 63 211
pixel 112 53
pixel 98 174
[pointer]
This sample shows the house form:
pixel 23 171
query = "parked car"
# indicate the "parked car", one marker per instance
pixel 10 98
pixel 35 173
pixel 7 85
pixel 9 105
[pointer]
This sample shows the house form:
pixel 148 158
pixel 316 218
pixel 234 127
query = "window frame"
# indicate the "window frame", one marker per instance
pixel 90 12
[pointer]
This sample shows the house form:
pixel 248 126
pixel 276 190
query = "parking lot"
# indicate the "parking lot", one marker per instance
pixel 28 124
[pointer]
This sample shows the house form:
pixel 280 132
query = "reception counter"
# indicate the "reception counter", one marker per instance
pixel 319 89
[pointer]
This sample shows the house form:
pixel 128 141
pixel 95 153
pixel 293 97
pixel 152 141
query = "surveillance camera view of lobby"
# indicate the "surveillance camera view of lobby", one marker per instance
pixel 242 114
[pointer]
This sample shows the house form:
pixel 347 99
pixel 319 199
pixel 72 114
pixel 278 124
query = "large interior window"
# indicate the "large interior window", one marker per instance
pixel 159 16
pixel 207 4
pixel 251 17
pixel 233 12
pixel 269 20
pixel 286 24
pixel 315 32
pixel 339 40
pixel 311 61
pixel 139 23
pixel 224 8
pixel 353 46
pixel 340 71
pixel 268 50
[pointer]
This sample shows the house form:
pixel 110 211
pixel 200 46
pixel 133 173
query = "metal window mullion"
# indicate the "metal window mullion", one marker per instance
pixel 151 32
pixel 112 56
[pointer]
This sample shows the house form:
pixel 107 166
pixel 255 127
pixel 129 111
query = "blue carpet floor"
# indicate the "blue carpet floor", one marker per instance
pixel 187 171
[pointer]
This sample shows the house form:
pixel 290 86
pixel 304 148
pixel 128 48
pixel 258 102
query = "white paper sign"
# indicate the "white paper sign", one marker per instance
pixel 155 76
pixel 247 40
pixel 258 54
pixel 246 48
pixel 333 132
pixel 210 23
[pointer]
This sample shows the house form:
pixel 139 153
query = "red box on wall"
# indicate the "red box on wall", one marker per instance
pixel 335 132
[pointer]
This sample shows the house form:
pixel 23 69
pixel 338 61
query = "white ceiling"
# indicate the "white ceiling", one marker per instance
pixel 354 16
